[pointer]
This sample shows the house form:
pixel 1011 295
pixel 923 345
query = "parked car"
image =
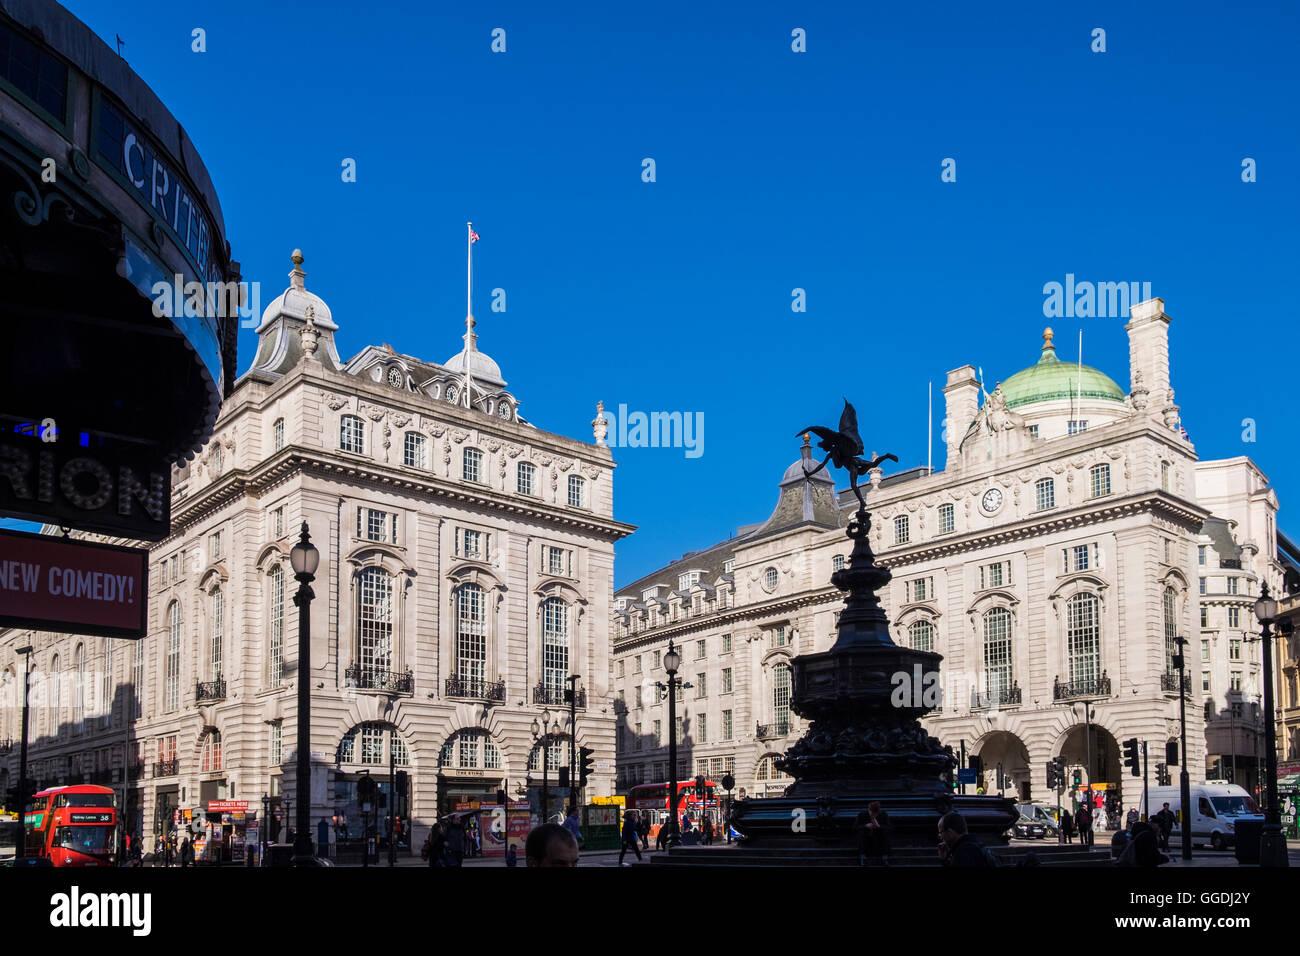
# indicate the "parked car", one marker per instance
pixel 1027 828
pixel 1041 814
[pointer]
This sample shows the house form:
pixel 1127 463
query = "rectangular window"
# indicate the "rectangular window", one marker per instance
pixel 729 566
pixel 413 450
pixel 277 431
pixel 352 434
pixel 1078 558
pixel 922 589
pixel 726 643
pixel 1205 648
pixel 637 668
pixel 1045 494
pixel 1074 428
pixel 701 685
pixel 1164 475
pixel 701 649
pixel 1169 551
pixel 658 726
pixel 1234 617
pixel 472 465
pixel 1232 585
pixel 1205 681
pixel 638 699
pixel 471 544
pixel 658 660
pixel 687 580
pixel 1234 680
pixel 524 478
pixel 176 566
pixel 995 575
pixel 214 546
pixel 277 745
pixel 947 518
pixel 701 728
pixel 277 522
pixel 1100 480
pixel 162 573
pixel 1200 554
pixel 1033 431
pixel 636 739
pixel 1205 617
pixel 902 530
pixel 726 680
pixel 622 668
pixel 577 492
pixel 1234 649
pixel 726 725
pixel 677 731
pixel 558 561
pixel 1202 583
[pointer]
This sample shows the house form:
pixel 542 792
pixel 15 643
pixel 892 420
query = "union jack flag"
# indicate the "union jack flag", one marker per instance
pixel 473 236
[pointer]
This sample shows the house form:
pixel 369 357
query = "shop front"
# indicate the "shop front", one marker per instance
pixel 219 831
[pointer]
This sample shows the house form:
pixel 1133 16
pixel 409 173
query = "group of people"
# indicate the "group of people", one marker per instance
pixel 446 843
pixel 1081 823
pixel 167 853
pixel 1143 843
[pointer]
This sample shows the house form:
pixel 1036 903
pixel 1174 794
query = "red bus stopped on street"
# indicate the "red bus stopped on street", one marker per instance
pixel 73 826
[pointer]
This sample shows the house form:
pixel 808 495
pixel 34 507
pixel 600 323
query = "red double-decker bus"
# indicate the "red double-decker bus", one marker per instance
pixel 652 798
pixel 73 826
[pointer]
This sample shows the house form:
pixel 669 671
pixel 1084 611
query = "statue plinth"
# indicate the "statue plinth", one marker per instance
pixel 865 697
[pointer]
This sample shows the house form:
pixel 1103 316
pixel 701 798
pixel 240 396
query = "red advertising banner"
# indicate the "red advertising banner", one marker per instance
pixel 227 806
pixel 49 583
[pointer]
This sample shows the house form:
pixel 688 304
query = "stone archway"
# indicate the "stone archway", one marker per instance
pixel 1005 748
pixel 1093 752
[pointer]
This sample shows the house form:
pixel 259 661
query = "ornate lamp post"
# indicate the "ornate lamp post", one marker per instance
pixel 672 660
pixel 1184 781
pixel 1272 843
pixel 542 733
pixel 305 559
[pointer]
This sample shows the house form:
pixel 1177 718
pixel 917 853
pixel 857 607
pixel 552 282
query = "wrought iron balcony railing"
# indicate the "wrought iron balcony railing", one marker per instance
pixel 1003 696
pixel 372 678
pixel 1094 687
pixel 554 696
pixel 210 690
pixel 1169 681
pixel 475 688
pixel 766 731
pixel 167 768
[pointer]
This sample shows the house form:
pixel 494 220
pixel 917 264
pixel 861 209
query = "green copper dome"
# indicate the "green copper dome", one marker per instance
pixel 1052 379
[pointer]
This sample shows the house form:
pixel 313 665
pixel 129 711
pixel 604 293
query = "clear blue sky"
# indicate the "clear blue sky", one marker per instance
pixel 775 170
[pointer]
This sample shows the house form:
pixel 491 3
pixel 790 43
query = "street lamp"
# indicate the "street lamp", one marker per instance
pixel 1184 781
pixel 1272 844
pixel 19 850
pixel 305 559
pixel 542 733
pixel 672 660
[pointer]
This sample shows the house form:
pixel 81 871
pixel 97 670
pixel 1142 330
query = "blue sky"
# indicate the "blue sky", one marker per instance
pixel 775 170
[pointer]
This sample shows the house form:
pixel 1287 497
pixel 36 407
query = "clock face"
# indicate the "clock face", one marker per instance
pixel 503 409
pixel 452 393
pixel 991 501
pixel 395 377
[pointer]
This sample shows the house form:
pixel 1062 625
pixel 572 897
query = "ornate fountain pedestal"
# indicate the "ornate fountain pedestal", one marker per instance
pixel 864 698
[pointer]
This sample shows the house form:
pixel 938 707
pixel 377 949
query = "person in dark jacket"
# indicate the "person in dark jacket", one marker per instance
pixel 437 844
pixel 643 828
pixel 957 847
pixel 630 837
pixel 872 827
pixel 1067 826
pixel 1084 821
pixel 1165 820
pixel 187 853
pixel 1143 850
pixel 456 842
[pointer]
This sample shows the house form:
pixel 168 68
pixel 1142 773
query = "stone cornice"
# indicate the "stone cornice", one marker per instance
pixel 294 459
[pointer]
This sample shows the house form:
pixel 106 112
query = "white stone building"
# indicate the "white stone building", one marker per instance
pixel 466 570
pixel 1052 563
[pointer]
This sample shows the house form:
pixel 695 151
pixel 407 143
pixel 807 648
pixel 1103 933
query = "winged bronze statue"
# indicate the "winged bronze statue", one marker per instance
pixel 844 450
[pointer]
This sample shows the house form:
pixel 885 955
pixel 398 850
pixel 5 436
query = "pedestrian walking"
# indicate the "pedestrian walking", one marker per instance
pixel 708 831
pixel 512 858
pixel 573 826
pixel 1165 822
pixel 1067 826
pixel 1084 820
pixel 630 838
pixel 187 853
pixel 436 845
pixel 644 829
pixel 456 842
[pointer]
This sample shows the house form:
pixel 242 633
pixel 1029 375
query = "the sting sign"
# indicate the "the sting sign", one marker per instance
pixel 58 584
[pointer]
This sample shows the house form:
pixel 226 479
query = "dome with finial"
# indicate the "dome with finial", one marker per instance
pixel 804 464
pixel 481 366
pixel 1050 379
pixel 295 323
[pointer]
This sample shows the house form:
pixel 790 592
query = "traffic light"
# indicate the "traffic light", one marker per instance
pixel 699 785
pixel 401 783
pixel 586 764
pixel 976 764
pixel 1131 758
pixel 1162 775
pixel 1001 777
pixel 1056 773
pixel 1078 779
pixel 366 787
pixel 501 797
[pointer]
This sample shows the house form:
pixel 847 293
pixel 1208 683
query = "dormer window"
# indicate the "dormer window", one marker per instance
pixel 687 580
pixel 395 378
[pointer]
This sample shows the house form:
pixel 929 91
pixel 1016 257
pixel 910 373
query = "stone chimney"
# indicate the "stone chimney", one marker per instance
pixel 1148 353
pixel 962 402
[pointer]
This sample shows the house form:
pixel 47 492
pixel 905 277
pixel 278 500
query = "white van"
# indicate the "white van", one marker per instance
pixel 1216 810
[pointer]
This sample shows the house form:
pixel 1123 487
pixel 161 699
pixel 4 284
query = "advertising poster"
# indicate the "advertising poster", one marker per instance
pixel 518 826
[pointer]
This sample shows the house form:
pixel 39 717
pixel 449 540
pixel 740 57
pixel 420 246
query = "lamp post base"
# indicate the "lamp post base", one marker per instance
pixel 1272 846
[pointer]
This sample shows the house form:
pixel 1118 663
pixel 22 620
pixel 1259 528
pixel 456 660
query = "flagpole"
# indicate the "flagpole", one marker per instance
pixel 469 308
pixel 929 429
pixel 1078 415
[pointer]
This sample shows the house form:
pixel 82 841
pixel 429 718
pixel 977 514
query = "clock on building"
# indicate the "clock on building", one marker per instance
pixel 503 409
pixel 991 501
pixel 395 377
pixel 452 393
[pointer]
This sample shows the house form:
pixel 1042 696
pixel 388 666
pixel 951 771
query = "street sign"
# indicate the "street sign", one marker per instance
pixel 966 775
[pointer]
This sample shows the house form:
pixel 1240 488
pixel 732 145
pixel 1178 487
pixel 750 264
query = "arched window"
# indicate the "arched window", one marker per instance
pixel 216 640
pixel 555 643
pixel 577 492
pixel 277 435
pixel 173 692
pixel 471 633
pixel 997 652
pixel 921 634
pixel 376 743
pixel 766 770
pixel 770 579
pixel 210 752
pixel 275 626
pixel 413 450
pixel 526 478
pixel 352 434
pixel 781 697
pixel 556 749
pixel 137 678
pixel 470 750
pixel 79 691
pixel 1171 629
pixel 374 621
pixel 56 701
pixel 1083 637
